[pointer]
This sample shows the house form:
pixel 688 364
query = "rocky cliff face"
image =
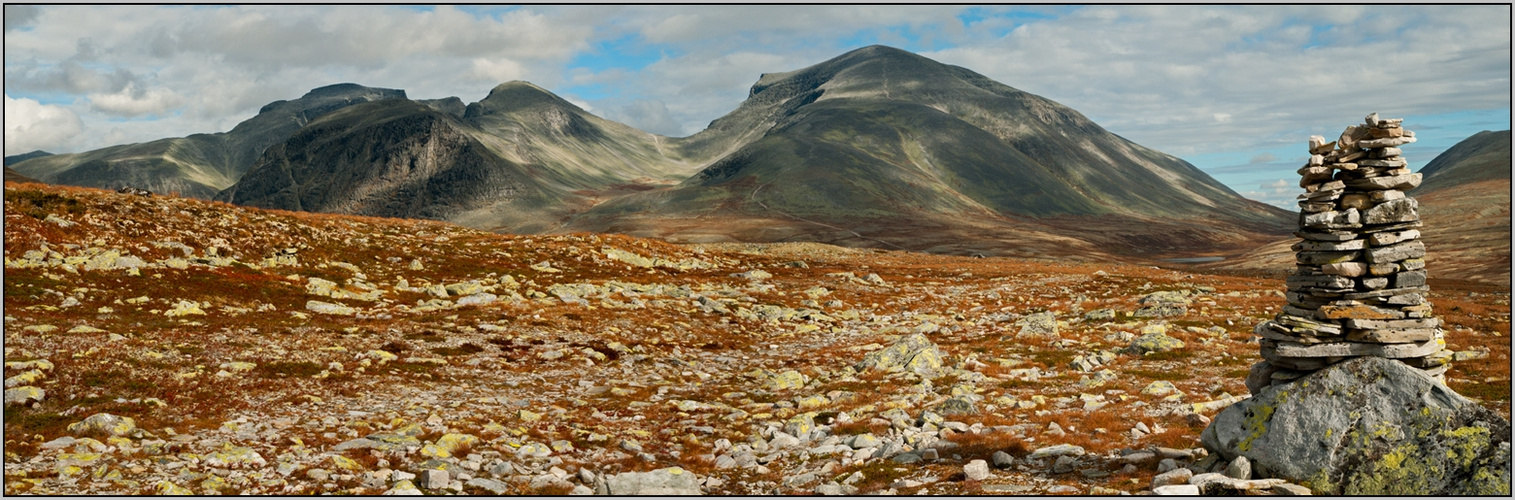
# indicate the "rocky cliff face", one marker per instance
pixel 393 159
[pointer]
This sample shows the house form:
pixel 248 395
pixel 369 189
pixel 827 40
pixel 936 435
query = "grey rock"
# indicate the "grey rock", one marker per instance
pixel 1239 468
pixel 1175 476
pixel 1397 252
pixel 957 405
pixel 669 481
pixel 434 479
pixel 1291 490
pixel 1401 210
pixel 1176 490
pixel 1368 426
pixel 1349 218
pixel 833 489
pixel 1042 324
pixel 1056 451
pixel 1167 465
pixel 976 470
pixel 1064 464
pixel 913 353
pixel 908 457
pixel 490 485
pixel 1003 460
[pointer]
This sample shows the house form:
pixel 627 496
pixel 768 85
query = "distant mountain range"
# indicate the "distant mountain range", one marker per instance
pixel 877 147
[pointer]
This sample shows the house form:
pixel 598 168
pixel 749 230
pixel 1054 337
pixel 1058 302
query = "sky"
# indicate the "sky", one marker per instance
pixel 1235 90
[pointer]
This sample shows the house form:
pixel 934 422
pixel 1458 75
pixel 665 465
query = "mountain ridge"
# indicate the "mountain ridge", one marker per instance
pixel 875 147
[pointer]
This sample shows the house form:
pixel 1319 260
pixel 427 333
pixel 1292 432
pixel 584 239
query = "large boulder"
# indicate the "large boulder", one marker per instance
pixel 1368 426
pixel 914 353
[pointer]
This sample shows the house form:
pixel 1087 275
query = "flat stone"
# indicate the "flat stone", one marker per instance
pixel 1409 279
pixel 1056 451
pixel 1176 490
pixel 1392 336
pixel 1389 212
pixel 1290 490
pixel 1357 311
pixel 1352 349
pixel 1395 182
pixel 1344 219
pixel 1368 324
pixel 1329 281
pixel 1215 483
pixel 1322 258
pixel 1387 142
pixel 1176 476
pixel 1390 238
pixel 1327 236
pixel 1396 252
pixel 1329 246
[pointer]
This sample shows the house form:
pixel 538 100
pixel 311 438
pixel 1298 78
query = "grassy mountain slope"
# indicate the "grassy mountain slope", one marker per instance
pixel 1481 157
pixel 880 136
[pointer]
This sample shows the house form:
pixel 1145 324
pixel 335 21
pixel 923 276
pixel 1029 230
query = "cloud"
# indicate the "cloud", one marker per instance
pixel 30 125
pixel 651 116
pixel 17 16
pixel 1263 158
pixel 132 101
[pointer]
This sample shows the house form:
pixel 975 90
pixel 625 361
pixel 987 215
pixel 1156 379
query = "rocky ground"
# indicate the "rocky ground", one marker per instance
pixel 163 345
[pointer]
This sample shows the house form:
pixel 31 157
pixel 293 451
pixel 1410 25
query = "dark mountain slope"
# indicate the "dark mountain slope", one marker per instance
pixel 201 164
pixel 392 158
pixel 1481 157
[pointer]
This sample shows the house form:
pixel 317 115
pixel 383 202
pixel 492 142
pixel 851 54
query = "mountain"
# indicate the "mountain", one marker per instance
pixel 202 164
pixel 882 147
pixel 1481 157
pixel 877 147
pixel 1464 206
pixel 9 160
pixel 518 160
pixel 14 176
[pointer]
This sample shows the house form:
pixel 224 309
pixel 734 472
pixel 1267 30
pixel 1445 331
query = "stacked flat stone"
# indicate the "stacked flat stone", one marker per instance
pixel 1359 285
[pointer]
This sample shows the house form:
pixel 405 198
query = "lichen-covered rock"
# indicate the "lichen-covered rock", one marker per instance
pixel 1368 426
pixel 1163 304
pixel 1154 342
pixel 784 381
pixel 913 353
pixel 1042 324
pixel 184 308
pixel 317 306
pixel 669 481
pixel 24 395
pixel 104 423
pixel 957 405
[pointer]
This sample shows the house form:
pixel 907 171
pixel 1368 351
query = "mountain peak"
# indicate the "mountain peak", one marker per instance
pixel 351 89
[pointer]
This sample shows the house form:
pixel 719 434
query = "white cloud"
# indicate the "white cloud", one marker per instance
pixel 30 125
pixel 496 70
pixel 132 101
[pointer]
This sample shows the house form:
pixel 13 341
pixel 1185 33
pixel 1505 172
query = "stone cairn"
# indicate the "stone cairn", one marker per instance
pixel 1359 285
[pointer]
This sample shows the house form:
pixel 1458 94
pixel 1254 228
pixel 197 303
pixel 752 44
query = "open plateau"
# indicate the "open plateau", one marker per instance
pixel 878 275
